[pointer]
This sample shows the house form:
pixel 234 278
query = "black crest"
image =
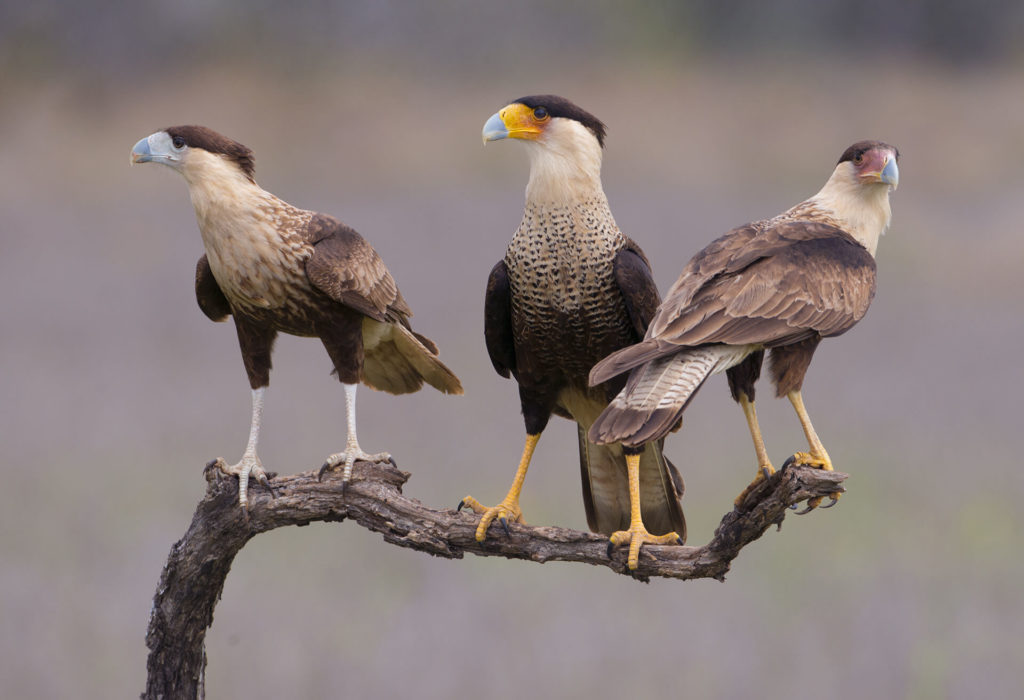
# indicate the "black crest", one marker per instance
pixel 210 140
pixel 561 107
pixel 862 147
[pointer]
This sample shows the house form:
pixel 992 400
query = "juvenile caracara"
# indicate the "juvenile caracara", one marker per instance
pixel 571 289
pixel 779 284
pixel 276 268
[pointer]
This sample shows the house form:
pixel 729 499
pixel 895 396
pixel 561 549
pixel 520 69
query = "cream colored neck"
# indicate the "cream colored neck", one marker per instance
pixel 566 166
pixel 863 211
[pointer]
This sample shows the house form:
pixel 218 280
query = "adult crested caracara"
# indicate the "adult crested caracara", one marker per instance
pixel 571 289
pixel 276 268
pixel 779 284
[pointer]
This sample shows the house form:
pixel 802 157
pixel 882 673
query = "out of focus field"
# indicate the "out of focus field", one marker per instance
pixel 116 389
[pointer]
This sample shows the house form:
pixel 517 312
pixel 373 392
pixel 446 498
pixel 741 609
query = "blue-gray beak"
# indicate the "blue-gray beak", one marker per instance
pixel 495 129
pixel 891 173
pixel 141 152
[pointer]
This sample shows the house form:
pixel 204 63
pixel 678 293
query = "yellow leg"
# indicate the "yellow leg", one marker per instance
pixel 508 509
pixel 816 456
pixel 764 465
pixel 637 534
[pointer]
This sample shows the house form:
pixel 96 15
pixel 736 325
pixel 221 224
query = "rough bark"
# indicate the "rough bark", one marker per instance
pixel 193 578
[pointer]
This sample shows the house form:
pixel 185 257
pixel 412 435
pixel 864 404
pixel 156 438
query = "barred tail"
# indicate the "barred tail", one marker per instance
pixel 657 392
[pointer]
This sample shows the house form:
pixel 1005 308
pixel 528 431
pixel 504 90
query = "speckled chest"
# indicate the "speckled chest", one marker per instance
pixel 567 310
pixel 259 263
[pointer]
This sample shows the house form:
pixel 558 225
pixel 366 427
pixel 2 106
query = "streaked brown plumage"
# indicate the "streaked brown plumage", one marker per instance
pixel 570 289
pixel 780 284
pixel 276 268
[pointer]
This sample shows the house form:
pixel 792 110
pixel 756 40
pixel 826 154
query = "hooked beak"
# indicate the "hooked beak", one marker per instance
pixel 495 129
pixel 141 152
pixel 890 174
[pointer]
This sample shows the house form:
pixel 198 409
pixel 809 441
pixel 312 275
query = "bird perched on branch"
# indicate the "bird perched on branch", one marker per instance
pixel 779 284
pixel 571 289
pixel 275 269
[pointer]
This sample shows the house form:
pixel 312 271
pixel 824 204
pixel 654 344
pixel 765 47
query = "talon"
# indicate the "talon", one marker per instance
pixel 393 462
pixel 811 505
pixel 462 504
pixel 834 498
pixel 504 526
pixel 635 536
pixel 789 462
pixel 326 467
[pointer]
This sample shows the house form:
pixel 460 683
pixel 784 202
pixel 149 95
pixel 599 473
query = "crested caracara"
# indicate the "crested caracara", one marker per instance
pixel 571 289
pixel 275 269
pixel 779 284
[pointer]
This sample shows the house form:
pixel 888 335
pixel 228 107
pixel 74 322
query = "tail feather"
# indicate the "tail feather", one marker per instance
pixel 626 359
pixel 606 489
pixel 658 392
pixel 398 361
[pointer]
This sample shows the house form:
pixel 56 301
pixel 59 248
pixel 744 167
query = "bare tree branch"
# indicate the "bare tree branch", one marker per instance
pixel 193 578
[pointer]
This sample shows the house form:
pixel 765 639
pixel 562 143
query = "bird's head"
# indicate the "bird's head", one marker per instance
pixel 194 151
pixel 871 163
pixel 564 143
pixel 541 118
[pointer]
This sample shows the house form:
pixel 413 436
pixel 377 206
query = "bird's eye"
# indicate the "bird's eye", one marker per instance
pixel 178 142
pixel 540 114
pixel 859 159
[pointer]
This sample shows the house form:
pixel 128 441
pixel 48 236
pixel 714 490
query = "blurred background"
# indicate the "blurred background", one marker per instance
pixel 116 389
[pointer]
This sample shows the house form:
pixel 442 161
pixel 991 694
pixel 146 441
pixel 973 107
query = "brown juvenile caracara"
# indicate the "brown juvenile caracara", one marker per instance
pixel 779 284
pixel 571 289
pixel 276 268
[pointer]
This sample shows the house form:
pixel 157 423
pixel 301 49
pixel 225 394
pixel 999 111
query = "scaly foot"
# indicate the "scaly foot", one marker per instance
pixel 637 535
pixel 504 511
pixel 763 472
pixel 350 456
pixel 807 459
pixel 249 465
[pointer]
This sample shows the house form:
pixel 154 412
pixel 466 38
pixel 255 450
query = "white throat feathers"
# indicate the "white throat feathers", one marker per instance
pixel 565 164
pixel 862 210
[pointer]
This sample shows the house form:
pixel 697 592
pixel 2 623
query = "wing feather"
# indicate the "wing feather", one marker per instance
pixel 208 293
pixel 348 270
pixel 639 292
pixel 498 333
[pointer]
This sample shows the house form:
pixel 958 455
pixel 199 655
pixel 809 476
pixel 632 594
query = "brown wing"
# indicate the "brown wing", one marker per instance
pixel 208 293
pixel 793 280
pixel 768 285
pixel 498 334
pixel 347 269
pixel 640 294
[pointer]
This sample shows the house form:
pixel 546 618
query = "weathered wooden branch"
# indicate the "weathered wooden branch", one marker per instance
pixel 193 578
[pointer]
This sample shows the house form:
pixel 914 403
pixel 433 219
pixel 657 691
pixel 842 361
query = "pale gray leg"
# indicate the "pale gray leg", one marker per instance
pixel 250 462
pixel 352 450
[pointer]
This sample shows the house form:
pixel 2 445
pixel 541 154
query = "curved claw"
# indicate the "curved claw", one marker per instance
pixel 462 504
pixel 393 462
pixel 504 526
pixel 611 548
pixel 766 472
pixel 834 499
pixel 789 462
pixel 264 481
pixel 326 467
